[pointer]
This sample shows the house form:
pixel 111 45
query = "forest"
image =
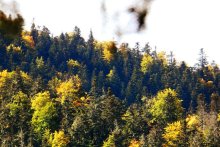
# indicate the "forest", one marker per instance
pixel 67 91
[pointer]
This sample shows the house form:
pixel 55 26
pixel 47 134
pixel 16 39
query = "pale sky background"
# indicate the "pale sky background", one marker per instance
pixel 181 26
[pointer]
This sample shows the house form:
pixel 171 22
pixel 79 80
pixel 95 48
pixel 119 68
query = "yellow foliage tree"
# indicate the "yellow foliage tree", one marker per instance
pixel 192 122
pixel 40 100
pixel 40 62
pixel 173 134
pixel 13 48
pixel 9 83
pixel 4 75
pixel 68 89
pixel 28 39
pixel 73 63
pixel 109 49
pixel 59 139
pixel 162 57
pixel 110 74
pixel 134 143
pixel 218 117
pixel 146 61
pixel 97 45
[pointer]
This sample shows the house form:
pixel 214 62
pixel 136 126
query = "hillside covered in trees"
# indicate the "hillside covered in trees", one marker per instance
pixel 68 91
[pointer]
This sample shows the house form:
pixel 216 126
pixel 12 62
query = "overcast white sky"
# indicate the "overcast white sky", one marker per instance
pixel 181 26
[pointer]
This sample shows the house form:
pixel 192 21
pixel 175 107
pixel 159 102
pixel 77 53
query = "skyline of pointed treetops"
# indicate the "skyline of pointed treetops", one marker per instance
pixel 68 91
pixel 168 26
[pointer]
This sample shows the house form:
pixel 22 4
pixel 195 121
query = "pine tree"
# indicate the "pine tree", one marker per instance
pixel 202 59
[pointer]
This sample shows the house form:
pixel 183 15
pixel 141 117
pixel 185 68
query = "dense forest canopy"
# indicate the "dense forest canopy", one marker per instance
pixel 68 91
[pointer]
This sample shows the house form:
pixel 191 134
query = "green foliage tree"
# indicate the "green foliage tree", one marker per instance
pixel 113 81
pixel 203 59
pixel 45 113
pixel 19 110
pixel 110 142
pixel 100 115
pixel 166 107
pixel 135 122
